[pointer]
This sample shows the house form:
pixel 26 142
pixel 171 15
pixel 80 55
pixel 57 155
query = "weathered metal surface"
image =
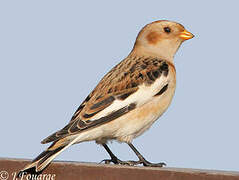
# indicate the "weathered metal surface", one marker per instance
pixel 91 171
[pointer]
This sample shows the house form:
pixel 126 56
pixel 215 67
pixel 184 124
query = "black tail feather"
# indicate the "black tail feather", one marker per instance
pixel 31 171
pixel 41 158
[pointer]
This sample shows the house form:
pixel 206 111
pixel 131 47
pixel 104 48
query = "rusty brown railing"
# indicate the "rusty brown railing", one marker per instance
pixel 91 171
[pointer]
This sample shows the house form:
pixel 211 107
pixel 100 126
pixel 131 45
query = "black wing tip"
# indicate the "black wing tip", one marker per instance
pixel 50 138
pixel 45 141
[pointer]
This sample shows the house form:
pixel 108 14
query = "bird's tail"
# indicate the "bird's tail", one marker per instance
pixel 44 159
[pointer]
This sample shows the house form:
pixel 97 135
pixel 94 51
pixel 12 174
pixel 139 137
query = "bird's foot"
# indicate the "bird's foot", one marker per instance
pixel 149 164
pixel 115 160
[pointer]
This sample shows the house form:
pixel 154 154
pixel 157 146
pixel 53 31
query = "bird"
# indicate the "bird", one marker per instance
pixel 126 101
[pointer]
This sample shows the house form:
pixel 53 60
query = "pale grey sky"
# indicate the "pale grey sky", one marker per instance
pixel 53 53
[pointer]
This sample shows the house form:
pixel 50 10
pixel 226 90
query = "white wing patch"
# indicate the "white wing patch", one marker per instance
pixel 143 95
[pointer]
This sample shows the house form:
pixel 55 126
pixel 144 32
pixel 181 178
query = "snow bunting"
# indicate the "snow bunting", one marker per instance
pixel 128 99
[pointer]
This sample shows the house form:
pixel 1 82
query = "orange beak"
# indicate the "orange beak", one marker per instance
pixel 185 35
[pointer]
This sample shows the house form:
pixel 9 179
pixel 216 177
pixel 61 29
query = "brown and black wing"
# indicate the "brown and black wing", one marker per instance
pixel 121 82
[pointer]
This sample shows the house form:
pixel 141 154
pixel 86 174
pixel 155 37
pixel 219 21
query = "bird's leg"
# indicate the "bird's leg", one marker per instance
pixel 114 159
pixel 142 160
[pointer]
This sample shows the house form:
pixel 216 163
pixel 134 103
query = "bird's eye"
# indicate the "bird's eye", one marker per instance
pixel 167 29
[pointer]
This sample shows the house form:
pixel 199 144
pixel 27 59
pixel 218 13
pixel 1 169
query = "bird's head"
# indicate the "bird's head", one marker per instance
pixel 161 38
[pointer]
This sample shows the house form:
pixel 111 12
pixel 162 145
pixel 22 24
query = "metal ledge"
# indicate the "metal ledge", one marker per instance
pixel 59 170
